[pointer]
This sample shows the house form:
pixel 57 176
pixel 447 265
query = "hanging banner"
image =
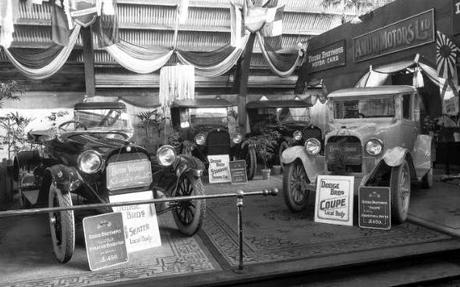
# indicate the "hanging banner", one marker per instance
pixel 408 33
pixel 334 199
pixel 84 12
pixel 140 221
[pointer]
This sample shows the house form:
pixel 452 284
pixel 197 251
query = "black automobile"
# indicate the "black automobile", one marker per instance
pixel 289 120
pixel 91 158
pixel 207 127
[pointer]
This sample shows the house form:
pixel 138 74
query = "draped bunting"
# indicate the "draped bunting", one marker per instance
pixel 37 72
pixel 138 59
pixel 282 65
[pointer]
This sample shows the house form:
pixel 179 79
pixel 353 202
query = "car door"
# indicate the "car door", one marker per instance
pixel 409 125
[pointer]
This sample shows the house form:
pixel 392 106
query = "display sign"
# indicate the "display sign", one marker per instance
pixel 405 34
pixel 140 221
pixel 327 57
pixel 238 171
pixel 105 240
pixel 129 174
pixel 334 199
pixel 219 168
pixel 374 207
pixel 456 16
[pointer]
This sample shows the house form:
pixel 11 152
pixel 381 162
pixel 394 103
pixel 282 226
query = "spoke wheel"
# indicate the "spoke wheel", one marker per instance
pixel 400 192
pixel 295 182
pixel 189 215
pixel 62 225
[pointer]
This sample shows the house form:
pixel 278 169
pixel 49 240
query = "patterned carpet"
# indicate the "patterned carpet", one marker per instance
pixel 273 233
pixel 28 261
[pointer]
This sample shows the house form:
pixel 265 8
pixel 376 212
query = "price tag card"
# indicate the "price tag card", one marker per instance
pixel 105 240
pixel 374 207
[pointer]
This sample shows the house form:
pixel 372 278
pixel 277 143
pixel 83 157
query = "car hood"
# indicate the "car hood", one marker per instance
pixel 361 129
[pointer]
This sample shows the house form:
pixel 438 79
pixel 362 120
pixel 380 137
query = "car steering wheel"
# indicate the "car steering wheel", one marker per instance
pixel 77 125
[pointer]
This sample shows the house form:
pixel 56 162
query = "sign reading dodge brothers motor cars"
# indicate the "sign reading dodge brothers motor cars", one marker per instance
pixel 334 199
pixel 327 57
pixel 408 33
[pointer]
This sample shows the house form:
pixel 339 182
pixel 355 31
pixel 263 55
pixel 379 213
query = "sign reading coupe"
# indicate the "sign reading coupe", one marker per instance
pixel 408 33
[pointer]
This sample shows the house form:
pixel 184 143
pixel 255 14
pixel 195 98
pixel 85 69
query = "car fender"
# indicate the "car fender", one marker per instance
pixel 188 163
pixel 424 154
pixel 313 164
pixel 67 178
pixel 395 156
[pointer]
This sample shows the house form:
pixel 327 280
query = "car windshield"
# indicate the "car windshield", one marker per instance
pixel 279 115
pixel 102 120
pixel 196 117
pixel 383 107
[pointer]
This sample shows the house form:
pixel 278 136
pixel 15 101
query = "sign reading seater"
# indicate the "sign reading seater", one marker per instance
pixel 331 56
pixel 374 209
pixel 334 199
pixel 219 168
pixel 105 240
pixel 408 33
pixel 238 171
pixel 140 221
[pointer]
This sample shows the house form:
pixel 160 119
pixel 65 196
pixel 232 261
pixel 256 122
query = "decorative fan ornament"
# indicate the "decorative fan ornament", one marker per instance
pixel 446 55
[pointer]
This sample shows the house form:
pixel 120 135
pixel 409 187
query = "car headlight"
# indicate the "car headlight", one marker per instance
pixel 237 138
pixel 312 146
pixel 200 139
pixel 374 147
pixel 297 135
pixel 89 161
pixel 166 155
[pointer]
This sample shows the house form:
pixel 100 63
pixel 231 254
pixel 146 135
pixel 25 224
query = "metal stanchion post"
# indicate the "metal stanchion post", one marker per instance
pixel 239 206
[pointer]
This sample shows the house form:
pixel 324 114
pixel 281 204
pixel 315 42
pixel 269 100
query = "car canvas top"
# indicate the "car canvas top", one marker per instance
pixel 100 106
pixel 278 104
pixel 372 91
pixel 201 103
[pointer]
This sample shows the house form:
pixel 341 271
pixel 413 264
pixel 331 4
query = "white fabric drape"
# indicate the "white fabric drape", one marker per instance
pixel 54 66
pixel 222 67
pixel 141 63
pixel 272 66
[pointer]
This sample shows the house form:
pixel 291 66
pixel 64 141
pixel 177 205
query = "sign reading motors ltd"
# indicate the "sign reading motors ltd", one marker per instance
pixel 408 33
pixel 327 57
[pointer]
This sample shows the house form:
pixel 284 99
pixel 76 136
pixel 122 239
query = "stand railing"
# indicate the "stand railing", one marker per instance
pixel 240 194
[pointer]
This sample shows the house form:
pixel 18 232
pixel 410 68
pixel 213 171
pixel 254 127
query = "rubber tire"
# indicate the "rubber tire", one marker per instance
pixel 427 180
pixel 251 162
pixel 292 171
pixel 63 249
pixel 399 206
pixel 283 146
pixel 197 188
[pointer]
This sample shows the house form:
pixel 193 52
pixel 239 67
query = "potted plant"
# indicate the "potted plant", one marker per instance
pixel 265 146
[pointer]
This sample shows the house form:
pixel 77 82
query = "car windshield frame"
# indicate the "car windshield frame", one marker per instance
pixel 103 120
pixel 196 117
pixel 277 116
pixel 364 107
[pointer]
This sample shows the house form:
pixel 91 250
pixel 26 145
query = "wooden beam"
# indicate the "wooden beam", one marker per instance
pixel 88 59
pixel 244 77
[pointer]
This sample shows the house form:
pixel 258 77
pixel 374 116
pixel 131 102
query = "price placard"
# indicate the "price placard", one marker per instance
pixel 374 207
pixel 238 171
pixel 105 240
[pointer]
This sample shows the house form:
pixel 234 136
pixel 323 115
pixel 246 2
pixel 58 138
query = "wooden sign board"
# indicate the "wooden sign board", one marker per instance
pixel 334 199
pixel 140 221
pixel 238 171
pixel 219 168
pixel 105 240
pixel 374 207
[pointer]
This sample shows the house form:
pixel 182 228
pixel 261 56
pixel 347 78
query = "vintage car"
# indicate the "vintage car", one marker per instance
pixel 374 135
pixel 91 158
pixel 206 127
pixel 290 118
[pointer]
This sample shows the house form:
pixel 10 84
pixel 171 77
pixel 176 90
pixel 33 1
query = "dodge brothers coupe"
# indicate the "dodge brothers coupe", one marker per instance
pixel 374 135
pixel 90 158
pixel 205 129
pixel 290 118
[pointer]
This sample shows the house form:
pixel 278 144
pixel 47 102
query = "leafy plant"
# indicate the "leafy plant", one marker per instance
pixel 15 137
pixel 9 91
pixel 54 116
pixel 265 146
pixel 151 119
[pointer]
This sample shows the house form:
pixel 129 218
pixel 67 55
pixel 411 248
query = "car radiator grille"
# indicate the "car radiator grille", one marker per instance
pixel 218 142
pixel 344 154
